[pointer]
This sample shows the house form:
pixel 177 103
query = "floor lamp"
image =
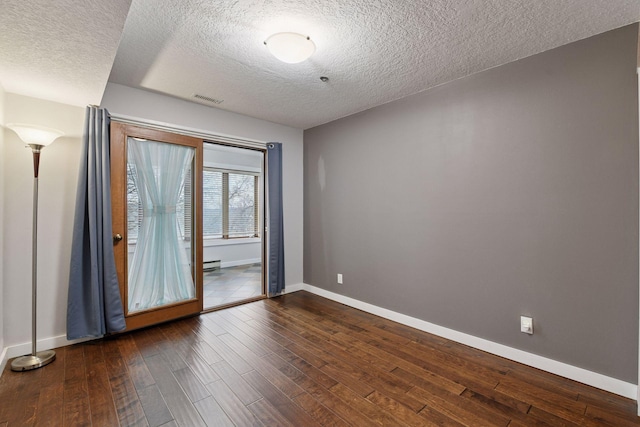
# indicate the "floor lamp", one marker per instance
pixel 36 137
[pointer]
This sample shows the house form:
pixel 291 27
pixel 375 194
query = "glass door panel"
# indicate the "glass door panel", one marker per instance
pixel 155 193
pixel 233 222
pixel 160 257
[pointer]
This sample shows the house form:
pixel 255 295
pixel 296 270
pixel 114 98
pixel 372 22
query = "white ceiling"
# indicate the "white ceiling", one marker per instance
pixel 373 51
pixel 59 50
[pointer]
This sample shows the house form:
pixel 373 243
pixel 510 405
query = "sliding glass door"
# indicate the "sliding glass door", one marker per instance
pixel 233 224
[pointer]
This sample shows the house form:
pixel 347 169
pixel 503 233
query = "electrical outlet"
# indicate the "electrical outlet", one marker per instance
pixel 339 279
pixel 526 325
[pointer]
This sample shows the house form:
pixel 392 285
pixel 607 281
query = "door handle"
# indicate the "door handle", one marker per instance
pixel 116 238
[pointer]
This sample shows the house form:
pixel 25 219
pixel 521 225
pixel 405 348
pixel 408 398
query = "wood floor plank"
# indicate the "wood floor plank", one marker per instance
pixel 146 343
pixel 451 410
pixel 128 406
pixel 609 402
pixel 492 410
pixel 51 399
pixel 566 409
pixel 264 339
pixel 341 407
pixel 319 412
pixel 238 313
pixel 50 403
pixel 138 370
pixel 245 392
pixel 239 347
pixel 227 354
pixel 267 332
pixel 212 413
pixel 192 387
pixel 309 353
pixel 155 408
pixel 207 353
pixel 103 410
pixel 285 406
pixel 295 360
pixel 298 370
pixel 268 415
pixel 401 412
pixel 504 405
pixel 277 378
pixel 552 419
pixel 76 394
pixel 614 418
pixel 344 374
pixel 232 405
pixel 186 340
pixel 182 409
pixel 373 412
pixel 208 323
pixel 200 367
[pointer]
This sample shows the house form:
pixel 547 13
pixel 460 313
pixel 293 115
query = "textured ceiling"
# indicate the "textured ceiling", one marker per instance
pixel 59 50
pixel 373 51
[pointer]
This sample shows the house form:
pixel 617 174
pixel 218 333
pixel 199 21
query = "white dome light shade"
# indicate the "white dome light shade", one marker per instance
pixel 290 47
pixel 35 135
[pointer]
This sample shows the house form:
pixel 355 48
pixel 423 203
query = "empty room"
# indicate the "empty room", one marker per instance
pixel 319 213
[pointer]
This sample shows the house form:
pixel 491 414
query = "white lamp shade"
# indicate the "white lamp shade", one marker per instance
pixel 35 135
pixel 290 47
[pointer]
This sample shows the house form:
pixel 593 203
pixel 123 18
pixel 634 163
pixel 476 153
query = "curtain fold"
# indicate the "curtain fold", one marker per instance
pixel 94 306
pixel 276 223
pixel 160 272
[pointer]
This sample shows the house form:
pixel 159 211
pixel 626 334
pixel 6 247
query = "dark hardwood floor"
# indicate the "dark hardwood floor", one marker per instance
pixel 297 360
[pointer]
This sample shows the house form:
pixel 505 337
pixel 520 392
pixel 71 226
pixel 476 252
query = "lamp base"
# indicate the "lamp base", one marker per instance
pixel 29 362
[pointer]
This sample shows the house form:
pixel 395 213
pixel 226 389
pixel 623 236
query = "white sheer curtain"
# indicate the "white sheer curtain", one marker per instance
pixel 159 273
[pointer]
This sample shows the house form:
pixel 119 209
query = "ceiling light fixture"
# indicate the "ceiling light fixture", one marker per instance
pixel 290 47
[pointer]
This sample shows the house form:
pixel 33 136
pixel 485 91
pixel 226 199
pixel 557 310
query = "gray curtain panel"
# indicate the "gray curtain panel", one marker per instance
pixel 94 306
pixel 276 230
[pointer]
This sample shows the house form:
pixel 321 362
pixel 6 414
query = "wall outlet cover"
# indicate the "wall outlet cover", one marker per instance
pixel 526 325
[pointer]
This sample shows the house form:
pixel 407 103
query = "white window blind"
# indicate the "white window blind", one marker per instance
pixel 230 202
pixel 212 203
pixel 241 205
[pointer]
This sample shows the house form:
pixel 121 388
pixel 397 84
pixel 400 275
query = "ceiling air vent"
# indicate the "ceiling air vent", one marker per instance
pixel 208 99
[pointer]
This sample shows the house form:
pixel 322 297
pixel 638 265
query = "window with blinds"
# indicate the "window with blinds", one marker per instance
pixel 134 207
pixel 230 205
pixel 212 204
pixel 241 205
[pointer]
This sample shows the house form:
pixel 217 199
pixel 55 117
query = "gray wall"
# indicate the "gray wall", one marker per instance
pixel 512 191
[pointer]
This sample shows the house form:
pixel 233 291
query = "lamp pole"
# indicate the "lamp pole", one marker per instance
pixel 36 138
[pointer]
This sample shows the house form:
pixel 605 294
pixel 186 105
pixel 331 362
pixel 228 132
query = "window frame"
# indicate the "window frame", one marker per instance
pixel 225 203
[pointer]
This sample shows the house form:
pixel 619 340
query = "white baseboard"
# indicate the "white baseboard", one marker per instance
pixel 293 288
pixel 225 264
pixel 594 379
pixel 3 360
pixel 43 344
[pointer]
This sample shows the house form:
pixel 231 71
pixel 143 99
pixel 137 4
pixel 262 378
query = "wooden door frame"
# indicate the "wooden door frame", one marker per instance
pixel 120 132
